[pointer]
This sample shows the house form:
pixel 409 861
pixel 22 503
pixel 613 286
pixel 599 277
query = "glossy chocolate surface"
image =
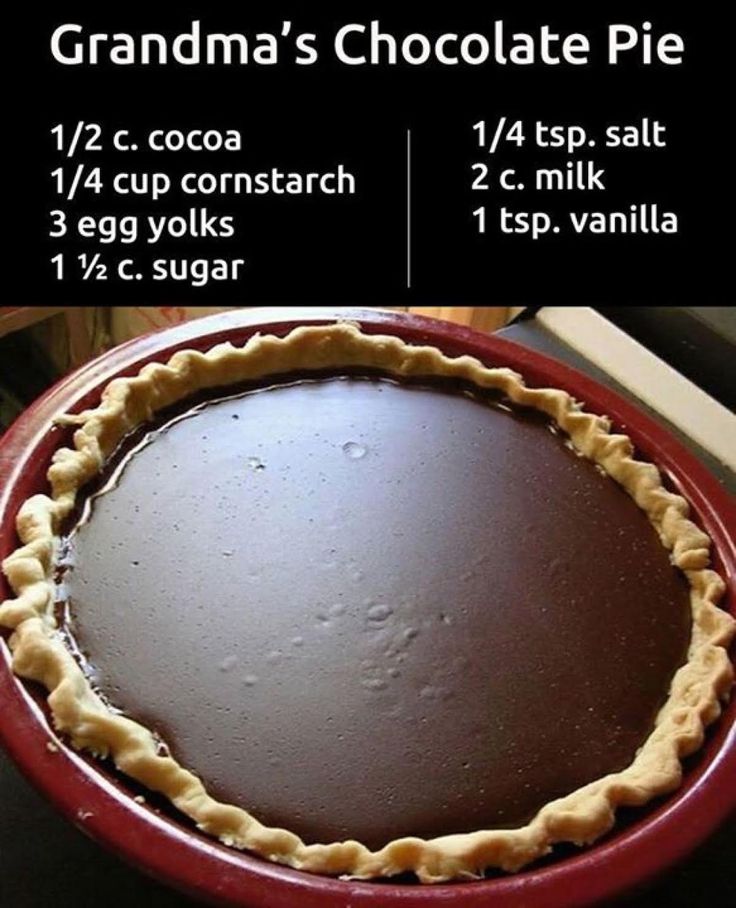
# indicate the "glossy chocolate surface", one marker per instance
pixel 366 610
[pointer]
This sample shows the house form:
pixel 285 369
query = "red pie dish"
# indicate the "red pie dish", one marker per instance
pixel 360 607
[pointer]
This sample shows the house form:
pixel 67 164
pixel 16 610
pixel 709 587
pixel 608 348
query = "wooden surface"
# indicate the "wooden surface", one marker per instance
pixel 17 318
pixel 481 318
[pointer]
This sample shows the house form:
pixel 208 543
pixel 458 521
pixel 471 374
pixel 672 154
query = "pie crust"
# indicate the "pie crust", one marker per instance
pixel 581 817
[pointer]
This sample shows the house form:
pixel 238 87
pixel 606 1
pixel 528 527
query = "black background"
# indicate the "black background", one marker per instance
pixel 353 249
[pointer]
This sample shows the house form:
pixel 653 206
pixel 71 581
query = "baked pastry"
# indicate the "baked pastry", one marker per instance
pixel 388 608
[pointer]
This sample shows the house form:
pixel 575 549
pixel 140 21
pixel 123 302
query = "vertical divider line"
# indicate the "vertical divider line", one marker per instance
pixel 408 209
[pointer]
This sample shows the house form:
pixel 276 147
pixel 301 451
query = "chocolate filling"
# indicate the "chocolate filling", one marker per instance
pixel 364 609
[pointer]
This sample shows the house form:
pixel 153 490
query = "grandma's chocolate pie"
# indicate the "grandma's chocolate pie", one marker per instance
pixel 361 608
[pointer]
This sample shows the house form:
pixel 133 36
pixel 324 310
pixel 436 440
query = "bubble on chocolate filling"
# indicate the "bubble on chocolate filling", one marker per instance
pixel 354 451
pixel 379 613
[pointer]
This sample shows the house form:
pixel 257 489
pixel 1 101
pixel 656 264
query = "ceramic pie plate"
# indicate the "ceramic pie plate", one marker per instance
pixel 644 841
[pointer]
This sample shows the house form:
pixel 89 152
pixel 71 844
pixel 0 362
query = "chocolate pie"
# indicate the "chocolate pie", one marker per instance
pixel 361 608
